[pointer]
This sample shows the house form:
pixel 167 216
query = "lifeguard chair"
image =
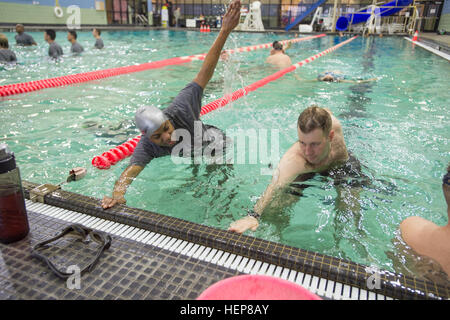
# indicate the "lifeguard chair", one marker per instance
pixel 253 20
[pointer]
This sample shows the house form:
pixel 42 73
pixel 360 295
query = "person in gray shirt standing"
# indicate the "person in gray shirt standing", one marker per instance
pixel 6 55
pixel 22 38
pixel 99 42
pixel 72 38
pixel 54 49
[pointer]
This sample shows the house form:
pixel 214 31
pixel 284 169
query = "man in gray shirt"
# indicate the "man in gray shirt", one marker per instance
pixel 54 49
pixel 159 137
pixel 72 37
pixel 99 42
pixel 6 55
pixel 22 38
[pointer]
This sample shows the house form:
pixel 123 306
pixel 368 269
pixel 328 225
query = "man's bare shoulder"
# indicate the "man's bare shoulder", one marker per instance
pixel 292 163
pixel 335 123
pixel 414 230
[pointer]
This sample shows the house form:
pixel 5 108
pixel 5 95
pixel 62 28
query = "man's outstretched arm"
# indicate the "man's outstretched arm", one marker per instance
pixel 120 188
pixel 287 46
pixel 288 169
pixel 359 81
pixel 229 22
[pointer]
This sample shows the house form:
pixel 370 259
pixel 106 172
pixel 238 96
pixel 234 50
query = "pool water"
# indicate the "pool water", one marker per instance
pixel 398 127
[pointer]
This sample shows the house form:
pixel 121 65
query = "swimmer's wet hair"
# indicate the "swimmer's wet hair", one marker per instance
pixel 3 41
pixel 73 33
pixel 277 45
pixel 313 118
pixel 446 178
pixel 51 33
pixel 98 31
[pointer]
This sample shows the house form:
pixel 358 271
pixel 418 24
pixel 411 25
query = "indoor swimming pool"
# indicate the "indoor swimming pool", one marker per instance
pixel 386 123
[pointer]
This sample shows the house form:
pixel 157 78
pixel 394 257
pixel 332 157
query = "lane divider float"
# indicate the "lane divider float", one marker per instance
pixel 114 155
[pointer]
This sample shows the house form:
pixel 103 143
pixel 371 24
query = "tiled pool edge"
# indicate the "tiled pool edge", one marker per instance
pixel 430 49
pixel 347 272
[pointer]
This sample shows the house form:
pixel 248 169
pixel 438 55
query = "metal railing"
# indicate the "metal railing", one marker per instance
pixel 407 23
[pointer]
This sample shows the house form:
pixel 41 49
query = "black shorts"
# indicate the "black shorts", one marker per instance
pixel 348 174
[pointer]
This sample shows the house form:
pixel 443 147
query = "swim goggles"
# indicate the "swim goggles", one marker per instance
pixel 102 238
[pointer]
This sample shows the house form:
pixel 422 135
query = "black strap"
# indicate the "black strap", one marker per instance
pixel 253 213
pixel 100 237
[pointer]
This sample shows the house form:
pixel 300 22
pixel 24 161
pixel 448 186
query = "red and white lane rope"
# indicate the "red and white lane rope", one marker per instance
pixel 260 83
pixel 124 150
pixel 268 45
pixel 11 89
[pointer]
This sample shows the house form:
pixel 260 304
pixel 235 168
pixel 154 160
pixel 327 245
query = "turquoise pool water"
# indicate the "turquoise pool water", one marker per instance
pixel 398 127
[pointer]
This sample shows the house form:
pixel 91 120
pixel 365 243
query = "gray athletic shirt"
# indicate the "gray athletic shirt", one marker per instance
pixel 182 112
pixel 24 39
pixel 99 43
pixel 76 48
pixel 7 55
pixel 55 50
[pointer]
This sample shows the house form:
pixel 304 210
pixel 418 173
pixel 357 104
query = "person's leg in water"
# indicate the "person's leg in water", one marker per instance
pixel 278 213
pixel 348 181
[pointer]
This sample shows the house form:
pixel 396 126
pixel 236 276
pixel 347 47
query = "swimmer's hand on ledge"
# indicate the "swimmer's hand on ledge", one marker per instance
pixel 108 202
pixel 242 225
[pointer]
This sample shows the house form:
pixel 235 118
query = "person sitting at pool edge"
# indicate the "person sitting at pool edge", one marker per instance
pixel 72 38
pixel 158 126
pixel 6 55
pixel 22 38
pixel 54 49
pixel 99 42
pixel 277 56
pixel 320 147
pixel 427 238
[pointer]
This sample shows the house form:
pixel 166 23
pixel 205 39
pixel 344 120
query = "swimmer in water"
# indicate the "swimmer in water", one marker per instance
pixel 162 129
pixel 320 147
pixel 428 239
pixel 6 55
pixel 22 38
pixel 278 57
pixel 54 49
pixel 76 46
pixel 337 76
pixel 98 40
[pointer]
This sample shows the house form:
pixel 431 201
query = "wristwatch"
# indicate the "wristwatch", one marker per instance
pixel 252 213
